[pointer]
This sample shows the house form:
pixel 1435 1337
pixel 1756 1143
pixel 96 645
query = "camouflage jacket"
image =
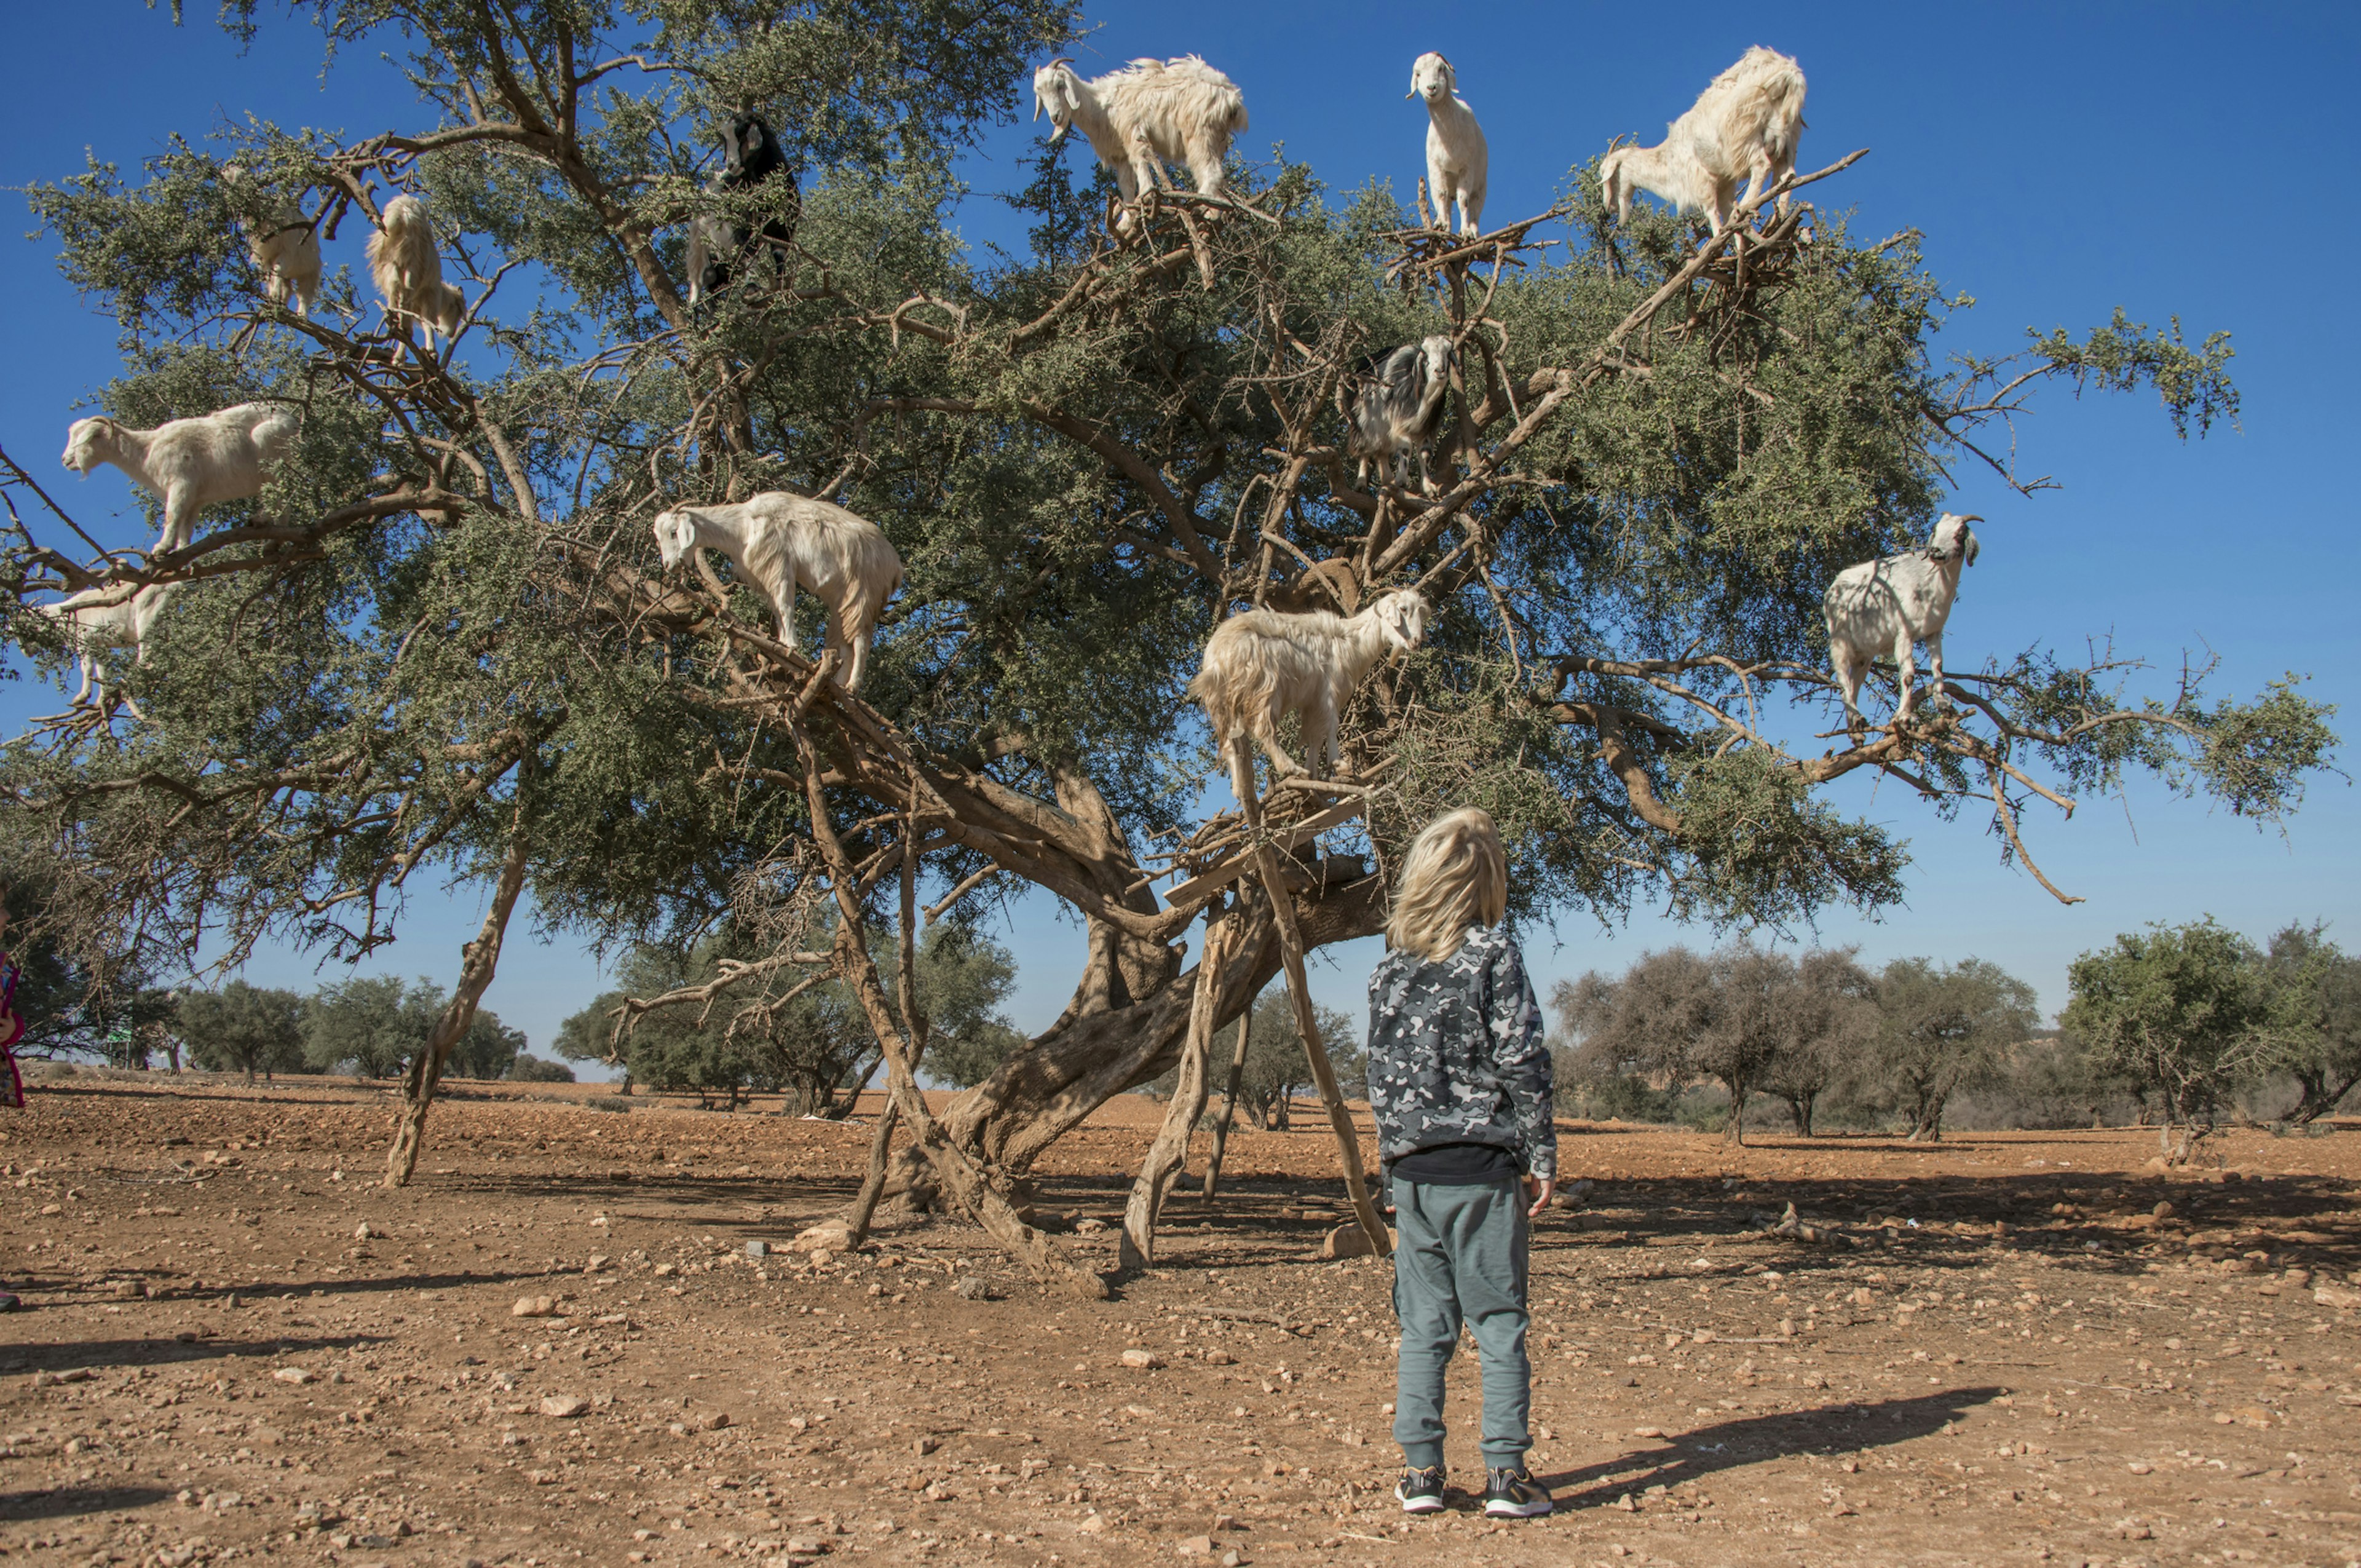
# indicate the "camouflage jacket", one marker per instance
pixel 1456 1054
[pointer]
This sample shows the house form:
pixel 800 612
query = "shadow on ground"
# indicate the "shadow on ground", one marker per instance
pixel 1754 1439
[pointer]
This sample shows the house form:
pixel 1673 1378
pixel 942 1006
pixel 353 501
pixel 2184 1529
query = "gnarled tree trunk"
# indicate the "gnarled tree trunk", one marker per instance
pixel 477 962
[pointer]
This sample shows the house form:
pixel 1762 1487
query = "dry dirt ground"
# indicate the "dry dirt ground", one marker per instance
pixel 234 1345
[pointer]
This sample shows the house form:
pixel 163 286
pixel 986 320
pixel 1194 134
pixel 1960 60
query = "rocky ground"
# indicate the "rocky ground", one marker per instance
pixel 2010 1348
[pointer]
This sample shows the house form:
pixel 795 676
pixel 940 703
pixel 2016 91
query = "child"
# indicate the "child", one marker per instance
pixel 1459 1082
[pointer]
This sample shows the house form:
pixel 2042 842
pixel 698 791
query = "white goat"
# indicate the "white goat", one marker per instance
pixel 1151 113
pixel 192 463
pixel 408 271
pixel 1393 406
pixel 1742 128
pixel 97 619
pixel 1456 159
pixel 285 247
pixel 1884 606
pixel 1262 665
pixel 780 542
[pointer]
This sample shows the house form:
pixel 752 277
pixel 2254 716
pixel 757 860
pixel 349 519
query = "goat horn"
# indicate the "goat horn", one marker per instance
pixel 1969 517
pixel 1062 59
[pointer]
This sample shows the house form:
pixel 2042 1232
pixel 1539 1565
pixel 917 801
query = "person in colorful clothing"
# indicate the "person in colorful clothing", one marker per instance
pixel 1460 1086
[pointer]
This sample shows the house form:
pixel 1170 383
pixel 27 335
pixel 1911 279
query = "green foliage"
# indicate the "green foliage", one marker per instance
pixel 534 1069
pixel 963 977
pixel 371 1025
pixel 1941 1029
pixel 2123 356
pixel 488 1049
pixel 807 1040
pixel 1277 1070
pixel 2185 1009
pixel 244 1028
pixel 2314 997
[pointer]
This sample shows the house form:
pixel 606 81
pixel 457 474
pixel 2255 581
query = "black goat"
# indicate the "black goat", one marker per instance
pixel 751 156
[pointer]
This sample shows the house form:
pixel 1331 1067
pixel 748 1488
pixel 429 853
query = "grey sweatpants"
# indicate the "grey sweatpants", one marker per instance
pixel 1459 1253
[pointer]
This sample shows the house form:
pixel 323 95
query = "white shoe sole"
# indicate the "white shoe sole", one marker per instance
pixel 1501 1510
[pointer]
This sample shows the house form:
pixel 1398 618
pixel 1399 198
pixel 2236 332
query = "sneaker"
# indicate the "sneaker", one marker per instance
pixel 1420 1491
pixel 1514 1495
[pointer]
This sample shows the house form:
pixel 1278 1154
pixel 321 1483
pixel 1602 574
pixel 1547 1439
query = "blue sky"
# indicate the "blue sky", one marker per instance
pixel 2061 160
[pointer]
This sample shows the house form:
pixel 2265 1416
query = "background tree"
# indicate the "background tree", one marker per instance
pixel 488 1049
pixel 371 1025
pixel 2185 1008
pixel 963 977
pixel 1276 1068
pixel 440 640
pixel 1676 1017
pixel 2315 1001
pixel 244 1028
pixel 535 1069
pixel 1941 1029
pixel 1824 1019
pixel 797 1036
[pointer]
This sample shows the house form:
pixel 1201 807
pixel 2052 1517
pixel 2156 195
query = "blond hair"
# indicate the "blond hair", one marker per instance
pixel 1456 876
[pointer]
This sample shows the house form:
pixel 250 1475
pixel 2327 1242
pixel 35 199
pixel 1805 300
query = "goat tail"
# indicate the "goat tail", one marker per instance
pixel 1237 686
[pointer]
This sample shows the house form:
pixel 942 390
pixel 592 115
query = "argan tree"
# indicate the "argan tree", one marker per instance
pixel 439 645
pixel 1941 1029
pixel 2186 1008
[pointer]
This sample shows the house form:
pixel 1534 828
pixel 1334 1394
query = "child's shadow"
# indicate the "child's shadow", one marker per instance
pixel 1689 1455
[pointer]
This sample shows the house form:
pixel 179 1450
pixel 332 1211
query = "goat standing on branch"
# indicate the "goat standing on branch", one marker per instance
pixel 408 272
pixel 1743 127
pixel 191 463
pixel 752 157
pixel 284 246
pixel 1151 113
pixel 1457 162
pixel 99 619
pixel 1261 666
pixel 779 542
pixel 1393 406
pixel 1885 606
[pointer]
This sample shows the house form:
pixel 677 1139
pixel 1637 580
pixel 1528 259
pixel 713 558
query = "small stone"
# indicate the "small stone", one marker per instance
pixel 1647 1431
pixel 664 1271
pixel 565 1407
pixel 2335 1296
pixel 806 1545
pixel 1144 1360
pixel 363 1232
pixel 925 1444
pixel 972 1288
pixel 1196 1546
pixel 758 1249
pixel 713 1421
pixel 1096 1522
pixel 1220 1358
pixel 534 1307
pixel 291 1375
pixel 1090 1228
pixel 1626 1504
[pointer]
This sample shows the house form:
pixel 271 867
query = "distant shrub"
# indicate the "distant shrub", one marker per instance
pixel 527 1069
